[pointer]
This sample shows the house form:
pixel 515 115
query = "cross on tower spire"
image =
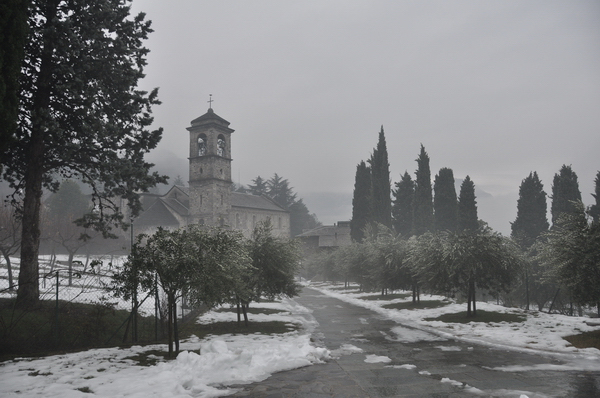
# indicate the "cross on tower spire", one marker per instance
pixel 210 101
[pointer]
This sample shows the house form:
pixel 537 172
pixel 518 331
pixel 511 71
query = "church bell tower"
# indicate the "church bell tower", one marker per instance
pixel 210 170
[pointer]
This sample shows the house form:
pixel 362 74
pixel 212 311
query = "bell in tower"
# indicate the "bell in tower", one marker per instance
pixel 210 170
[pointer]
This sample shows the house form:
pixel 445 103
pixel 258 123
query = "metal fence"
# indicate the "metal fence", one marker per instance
pixel 62 291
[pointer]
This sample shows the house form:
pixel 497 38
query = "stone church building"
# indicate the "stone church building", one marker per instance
pixel 209 199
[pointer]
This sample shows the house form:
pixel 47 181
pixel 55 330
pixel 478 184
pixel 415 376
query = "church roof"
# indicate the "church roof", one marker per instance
pixel 157 214
pixel 254 202
pixel 210 116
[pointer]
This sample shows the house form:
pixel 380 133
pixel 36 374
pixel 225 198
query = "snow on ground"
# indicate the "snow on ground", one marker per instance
pixel 541 333
pixel 204 368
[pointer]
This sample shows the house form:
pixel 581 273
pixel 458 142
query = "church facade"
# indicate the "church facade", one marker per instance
pixel 209 199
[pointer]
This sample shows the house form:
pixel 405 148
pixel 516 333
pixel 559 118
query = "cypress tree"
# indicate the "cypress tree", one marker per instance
pixel 565 193
pixel 423 201
pixel 380 182
pixel 595 208
pixel 467 207
pixel 445 204
pixel 361 202
pixel 531 219
pixel 402 208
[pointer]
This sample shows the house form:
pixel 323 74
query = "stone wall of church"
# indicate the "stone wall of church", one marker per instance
pixel 244 219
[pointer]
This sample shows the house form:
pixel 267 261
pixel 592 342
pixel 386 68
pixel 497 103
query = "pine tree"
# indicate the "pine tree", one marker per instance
pixel 13 34
pixel 467 207
pixel 259 187
pixel 81 115
pixel 531 219
pixel 380 180
pixel 402 208
pixel 423 201
pixel 301 219
pixel 565 193
pixel 361 202
pixel 445 204
pixel 279 190
pixel 595 208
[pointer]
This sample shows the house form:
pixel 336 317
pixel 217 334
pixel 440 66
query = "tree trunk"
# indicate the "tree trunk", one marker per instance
pixel 170 323
pixel 28 292
pixel 245 311
pixel 70 265
pixel 175 328
pixel 11 284
pixel 527 290
pixel 474 299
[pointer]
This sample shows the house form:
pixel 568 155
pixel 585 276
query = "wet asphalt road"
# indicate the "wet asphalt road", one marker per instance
pixel 436 369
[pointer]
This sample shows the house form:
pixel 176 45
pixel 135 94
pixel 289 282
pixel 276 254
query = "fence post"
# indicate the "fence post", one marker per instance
pixel 56 327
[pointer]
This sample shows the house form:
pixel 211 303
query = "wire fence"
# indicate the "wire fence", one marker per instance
pixel 78 308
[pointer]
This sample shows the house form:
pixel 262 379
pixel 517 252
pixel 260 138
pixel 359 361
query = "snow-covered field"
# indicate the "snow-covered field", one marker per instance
pixel 204 368
pixel 88 285
pixel 208 367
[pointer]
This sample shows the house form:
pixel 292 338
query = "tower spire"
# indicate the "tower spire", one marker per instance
pixel 210 101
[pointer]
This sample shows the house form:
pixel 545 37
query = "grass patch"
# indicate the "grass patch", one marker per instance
pixel 252 310
pixel 482 316
pixel 273 327
pixel 585 340
pixel 344 288
pixel 418 305
pixel 387 297
pixel 43 330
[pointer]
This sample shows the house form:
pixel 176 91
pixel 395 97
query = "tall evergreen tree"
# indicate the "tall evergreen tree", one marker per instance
pixel 565 193
pixel 531 219
pixel 301 219
pixel 595 208
pixel 380 181
pixel 423 200
pixel 445 204
pixel 280 191
pixel 259 187
pixel 13 35
pixel 402 208
pixel 81 115
pixel 361 202
pixel 467 207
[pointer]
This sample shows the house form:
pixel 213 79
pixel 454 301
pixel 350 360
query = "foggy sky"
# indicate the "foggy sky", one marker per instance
pixel 492 89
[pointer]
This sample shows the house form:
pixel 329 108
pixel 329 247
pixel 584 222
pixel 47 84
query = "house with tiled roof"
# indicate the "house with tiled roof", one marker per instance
pixel 326 237
pixel 209 199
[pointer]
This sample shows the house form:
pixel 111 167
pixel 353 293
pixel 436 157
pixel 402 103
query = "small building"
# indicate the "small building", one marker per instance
pixel 326 237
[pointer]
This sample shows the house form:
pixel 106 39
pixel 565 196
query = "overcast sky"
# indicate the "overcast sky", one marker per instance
pixel 492 89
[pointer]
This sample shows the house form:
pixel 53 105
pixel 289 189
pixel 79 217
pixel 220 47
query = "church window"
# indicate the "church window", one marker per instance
pixel 202 145
pixel 253 221
pixel 221 145
pixel 279 222
pixel 237 220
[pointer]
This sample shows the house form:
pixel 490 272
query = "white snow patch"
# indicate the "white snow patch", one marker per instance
pixel 405 366
pixel 346 349
pixel 450 381
pixel 408 335
pixel 376 359
pixel 448 348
